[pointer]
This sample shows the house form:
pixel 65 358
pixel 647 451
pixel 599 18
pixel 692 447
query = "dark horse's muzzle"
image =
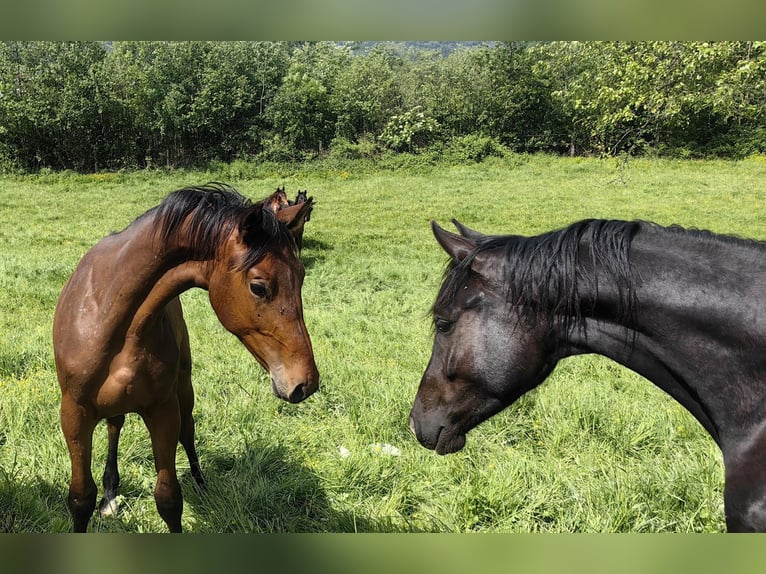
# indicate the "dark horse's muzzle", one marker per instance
pixel 425 428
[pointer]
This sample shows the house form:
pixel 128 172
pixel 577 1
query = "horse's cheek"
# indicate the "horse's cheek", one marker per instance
pixel 224 309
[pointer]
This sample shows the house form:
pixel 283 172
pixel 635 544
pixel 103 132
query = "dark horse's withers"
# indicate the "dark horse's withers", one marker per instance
pixel 685 309
pixel 120 340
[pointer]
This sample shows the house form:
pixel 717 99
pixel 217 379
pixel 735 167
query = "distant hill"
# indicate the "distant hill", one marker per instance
pixel 444 48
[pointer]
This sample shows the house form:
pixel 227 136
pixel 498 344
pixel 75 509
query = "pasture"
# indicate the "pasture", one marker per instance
pixel 595 449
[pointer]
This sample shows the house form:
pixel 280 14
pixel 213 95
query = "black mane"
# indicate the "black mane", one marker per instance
pixel 711 237
pixel 543 273
pixel 212 211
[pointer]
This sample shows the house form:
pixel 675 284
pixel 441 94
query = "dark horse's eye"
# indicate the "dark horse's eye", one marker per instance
pixel 443 325
pixel 258 289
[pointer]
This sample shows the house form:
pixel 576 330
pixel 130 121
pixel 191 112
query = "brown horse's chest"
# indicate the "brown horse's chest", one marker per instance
pixel 140 376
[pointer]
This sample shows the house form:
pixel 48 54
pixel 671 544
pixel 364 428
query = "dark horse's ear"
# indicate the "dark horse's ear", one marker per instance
pixel 294 216
pixel 467 232
pixel 456 246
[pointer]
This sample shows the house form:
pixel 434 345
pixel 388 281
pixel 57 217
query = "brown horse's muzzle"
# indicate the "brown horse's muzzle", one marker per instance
pixel 295 389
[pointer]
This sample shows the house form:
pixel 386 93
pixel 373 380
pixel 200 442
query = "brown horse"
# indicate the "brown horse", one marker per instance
pixel 121 344
pixel 277 200
pixel 304 207
pixel 278 203
pixel 301 198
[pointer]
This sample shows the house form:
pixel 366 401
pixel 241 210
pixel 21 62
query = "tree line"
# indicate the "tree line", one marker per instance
pixel 91 106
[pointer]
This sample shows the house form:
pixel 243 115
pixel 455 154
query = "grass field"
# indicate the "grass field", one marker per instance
pixel 595 449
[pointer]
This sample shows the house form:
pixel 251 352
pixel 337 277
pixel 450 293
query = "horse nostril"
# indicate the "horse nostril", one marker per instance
pixel 298 394
pixel 301 392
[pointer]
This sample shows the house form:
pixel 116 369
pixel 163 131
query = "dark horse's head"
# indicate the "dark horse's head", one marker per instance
pixel 493 319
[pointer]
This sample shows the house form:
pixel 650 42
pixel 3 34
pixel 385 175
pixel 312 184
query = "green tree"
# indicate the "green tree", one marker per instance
pixel 723 111
pixel 301 112
pixel 239 80
pixel 517 109
pixel 149 88
pixel 181 103
pixel 680 97
pixel 492 91
pixel 93 105
pixel 366 94
pixel 48 110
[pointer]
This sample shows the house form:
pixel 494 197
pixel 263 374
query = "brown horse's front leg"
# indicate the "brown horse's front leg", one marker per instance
pixel 111 478
pixel 164 424
pixel 77 425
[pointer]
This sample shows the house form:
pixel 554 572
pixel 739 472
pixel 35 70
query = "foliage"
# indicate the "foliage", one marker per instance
pixel 632 96
pixel 409 131
pixel 474 147
pixel 302 111
pixel 366 94
pixel 341 148
pixel 49 114
pixel 90 106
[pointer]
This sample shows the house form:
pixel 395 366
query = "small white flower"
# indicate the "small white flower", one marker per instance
pixel 385 448
pixel 344 452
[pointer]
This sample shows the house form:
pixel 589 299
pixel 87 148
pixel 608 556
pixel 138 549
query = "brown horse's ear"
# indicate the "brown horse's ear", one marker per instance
pixel 294 216
pixel 257 223
pixel 456 246
pixel 467 232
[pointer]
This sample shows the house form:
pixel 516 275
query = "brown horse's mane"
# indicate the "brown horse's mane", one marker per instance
pixel 209 213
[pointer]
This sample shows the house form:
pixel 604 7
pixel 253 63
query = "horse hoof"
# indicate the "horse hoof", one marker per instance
pixel 109 507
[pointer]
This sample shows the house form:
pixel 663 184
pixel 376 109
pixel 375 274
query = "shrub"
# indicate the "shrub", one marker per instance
pixel 277 149
pixel 409 131
pixel 474 147
pixel 342 148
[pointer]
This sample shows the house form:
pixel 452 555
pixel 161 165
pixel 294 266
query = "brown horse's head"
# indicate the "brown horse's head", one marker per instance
pixel 277 200
pixel 255 290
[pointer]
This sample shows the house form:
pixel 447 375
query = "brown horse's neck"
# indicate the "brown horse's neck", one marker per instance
pixel 172 283
pixel 147 275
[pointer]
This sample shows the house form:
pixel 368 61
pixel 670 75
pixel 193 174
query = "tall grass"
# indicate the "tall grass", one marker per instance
pixel 595 449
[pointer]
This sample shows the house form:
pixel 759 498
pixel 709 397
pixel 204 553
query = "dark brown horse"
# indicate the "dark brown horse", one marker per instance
pixel 121 344
pixel 683 308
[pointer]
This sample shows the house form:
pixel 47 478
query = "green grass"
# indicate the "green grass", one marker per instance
pixel 595 449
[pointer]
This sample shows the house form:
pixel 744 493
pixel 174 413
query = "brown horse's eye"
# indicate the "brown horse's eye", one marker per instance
pixel 259 290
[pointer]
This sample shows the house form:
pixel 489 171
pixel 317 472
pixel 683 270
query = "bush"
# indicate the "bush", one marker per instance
pixel 474 147
pixel 277 149
pixel 8 162
pixel 409 131
pixel 341 148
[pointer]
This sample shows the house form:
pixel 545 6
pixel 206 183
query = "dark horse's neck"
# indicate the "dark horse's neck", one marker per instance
pixel 697 329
